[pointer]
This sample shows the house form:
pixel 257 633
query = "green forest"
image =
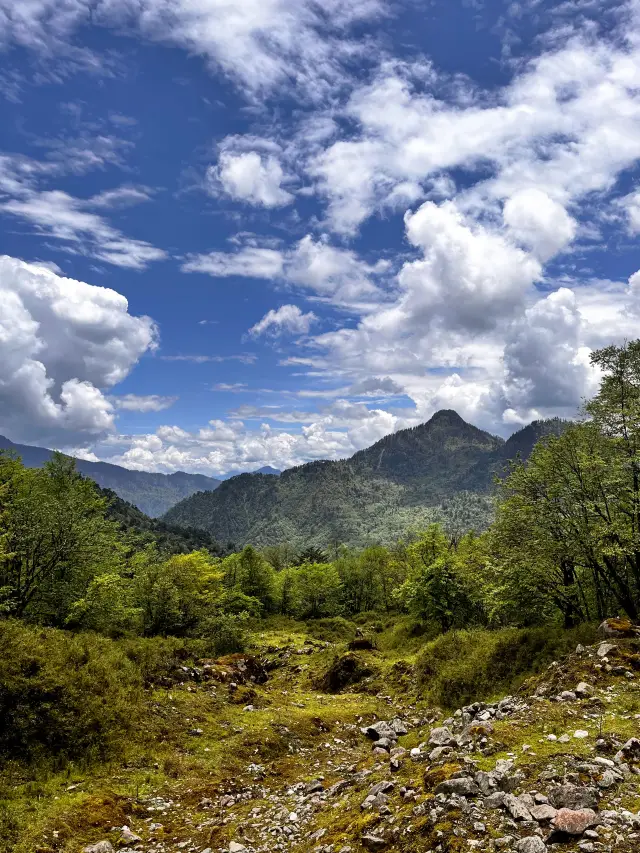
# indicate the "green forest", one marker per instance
pixel 99 604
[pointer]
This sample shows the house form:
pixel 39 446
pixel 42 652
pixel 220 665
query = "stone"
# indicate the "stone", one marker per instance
pixel 543 812
pixel 606 648
pixel 313 787
pixel 584 690
pixel 573 822
pixel 438 751
pixel 337 787
pixel 533 844
pixel 441 737
pixel 399 727
pixel 618 628
pixel 516 808
pixel 236 847
pixel 630 751
pixel 381 788
pixel 580 734
pixel 570 796
pixel 100 847
pixel 567 696
pixel 495 801
pixel 379 730
pixel 464 787
pixel 608 779
pixel 373 842
pixel 128 837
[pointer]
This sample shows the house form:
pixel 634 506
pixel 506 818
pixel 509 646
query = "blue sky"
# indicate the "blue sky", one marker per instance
pixel 269 231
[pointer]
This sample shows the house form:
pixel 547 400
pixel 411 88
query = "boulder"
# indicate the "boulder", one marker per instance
pixel 379 730
pixel 464 787
pixel 619 628
pixel 570 796
pixel 442 737
pixel 630 751
pixel 605 649
pixel 543 812
pixel 373 842
pixel 516 808
pixel 533 844
pixel 574 822
pixel 100 847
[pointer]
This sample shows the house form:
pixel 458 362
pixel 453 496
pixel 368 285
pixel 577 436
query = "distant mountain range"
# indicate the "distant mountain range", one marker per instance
pixel 154 494
pixel 441 470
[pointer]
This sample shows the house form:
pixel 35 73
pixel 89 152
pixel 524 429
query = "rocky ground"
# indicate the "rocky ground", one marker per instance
pixel 267 760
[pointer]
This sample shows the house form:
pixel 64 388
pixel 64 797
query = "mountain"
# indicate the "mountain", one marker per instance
pixel 268 470
pixel 441 470
pixel 168 538
pixel 154 494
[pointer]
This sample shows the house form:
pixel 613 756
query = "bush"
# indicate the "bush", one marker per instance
pixel 461 667
pixel 63 694
pixel 333 629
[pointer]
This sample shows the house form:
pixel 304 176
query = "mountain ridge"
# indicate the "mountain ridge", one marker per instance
pixel 151 493
pixel 442 470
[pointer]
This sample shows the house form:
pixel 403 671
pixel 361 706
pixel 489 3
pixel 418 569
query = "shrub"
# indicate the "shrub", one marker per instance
pixel 466 666
pixel 333 629
pixel 64 694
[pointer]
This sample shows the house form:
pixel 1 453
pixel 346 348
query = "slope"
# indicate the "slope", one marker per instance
pixel 442 470
pixel 154 494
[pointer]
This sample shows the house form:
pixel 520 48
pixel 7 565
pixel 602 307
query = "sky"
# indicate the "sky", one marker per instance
pixel 237 233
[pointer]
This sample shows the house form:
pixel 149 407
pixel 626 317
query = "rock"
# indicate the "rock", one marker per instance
pixel 399 727
pixel 618 628
pixel 516 808
pixel 543 812
pixel 196 732
pixel 128 837
pixel 580 734
pixel 100 847
pixel 442 737
pixel 584 690
pixel 573 822
pixel 495 801
pixel 379 730
pixel 630 751
pixel 606 648
pixel 337 787
pixel 313 787
pixel 464 787
pixel 608 779
pixel 570 796
pixel 533 844
pixel 381 788
pixel 373 842
pixel 437 752
pixel 236 847
pixel 567 696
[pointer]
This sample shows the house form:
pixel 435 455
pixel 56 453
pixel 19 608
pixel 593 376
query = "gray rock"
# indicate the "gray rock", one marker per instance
pixel 495 801
pixel 381 788
pixel 464 787
pixel 100 847
pixel 379 730
pixel 373 842
pixel 442 737
pixel 398 726
pixel 236 847
pixel 516 808
pixel 606 648
pixel 570 796
pixel 533 844
pixel 543 812
pixel 583 690
pixel 313 787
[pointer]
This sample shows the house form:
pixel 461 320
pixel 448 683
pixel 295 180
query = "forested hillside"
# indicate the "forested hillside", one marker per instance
pixel 154 494
pixel 440 471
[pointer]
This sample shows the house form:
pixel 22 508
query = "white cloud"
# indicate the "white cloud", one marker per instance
pixel 143 403
pixel 63 217
pixel 287 318
pixel 329 273
pixel 249 262
pixel 124 196
pixel 250 177
pixel 259 43
pixel 61 343
pixel 539 223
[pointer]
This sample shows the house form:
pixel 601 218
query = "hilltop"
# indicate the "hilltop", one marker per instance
pixel 441 470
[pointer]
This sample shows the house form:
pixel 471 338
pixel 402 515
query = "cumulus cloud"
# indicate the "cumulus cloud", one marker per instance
pixel 143 403
pixel 62 342
pixel 250 177
pixel 376 386
pixel 539 223
pixel 287 318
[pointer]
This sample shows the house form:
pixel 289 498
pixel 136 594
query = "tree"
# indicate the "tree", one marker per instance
pixel 252 575
pixel 55 538
pixel 316 590
pixel 175 595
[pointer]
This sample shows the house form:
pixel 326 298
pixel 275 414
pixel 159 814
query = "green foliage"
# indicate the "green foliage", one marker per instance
pixel 55 539
pixel 251 575
pixel 466 666
pixel 63 694
pixel 316 590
